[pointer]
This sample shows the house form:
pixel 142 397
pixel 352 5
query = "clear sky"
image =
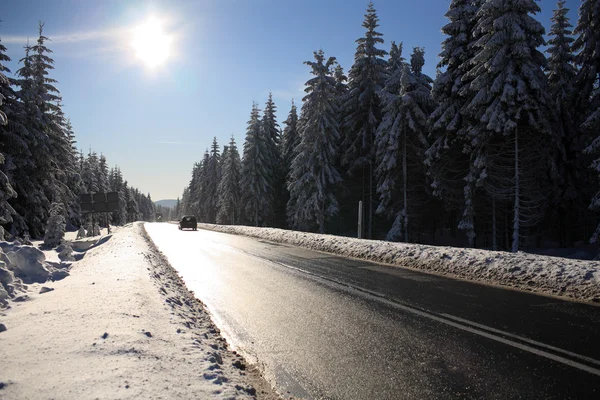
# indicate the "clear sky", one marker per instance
pixel 155 122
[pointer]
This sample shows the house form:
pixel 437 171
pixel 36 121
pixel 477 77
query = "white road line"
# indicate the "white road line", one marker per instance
pixel 536 343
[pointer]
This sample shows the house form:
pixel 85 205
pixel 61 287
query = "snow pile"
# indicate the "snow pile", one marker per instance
pixel 576 279
pixel 25 264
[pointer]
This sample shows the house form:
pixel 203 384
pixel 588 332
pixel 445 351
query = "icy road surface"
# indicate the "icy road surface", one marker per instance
pixel 323 326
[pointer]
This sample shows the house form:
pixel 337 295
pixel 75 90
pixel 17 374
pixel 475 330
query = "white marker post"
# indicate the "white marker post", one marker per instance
pixel 360 219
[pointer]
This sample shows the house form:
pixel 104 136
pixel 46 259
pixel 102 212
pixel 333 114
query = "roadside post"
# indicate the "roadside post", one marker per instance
pixel 360 219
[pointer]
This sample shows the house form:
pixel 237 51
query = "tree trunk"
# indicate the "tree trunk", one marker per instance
pixel 404 176
pixel 322 217
pixel 515 243
pixel 370 226
pixel 256 213
pixel 494 237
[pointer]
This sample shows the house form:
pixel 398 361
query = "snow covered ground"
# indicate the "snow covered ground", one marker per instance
pixel 575 279
pixel 122 325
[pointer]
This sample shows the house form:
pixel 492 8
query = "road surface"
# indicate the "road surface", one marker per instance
pixel 329 327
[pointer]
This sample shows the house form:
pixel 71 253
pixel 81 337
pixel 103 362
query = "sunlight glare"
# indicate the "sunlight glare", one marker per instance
pixel 151 44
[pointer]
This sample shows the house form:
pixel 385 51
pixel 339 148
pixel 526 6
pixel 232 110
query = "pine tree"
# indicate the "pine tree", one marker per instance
pixel 257 194
pixel 276 176
pixel 313 174
pixel 561 77
pixel 290 138
pixel 55 230
pixel 587 87
pixel 201 192
pixel 363 112
pixel 509 109
pixel 448 159
pixel 401 143
pixel 211 183
pixel 229 192
pixel 6 190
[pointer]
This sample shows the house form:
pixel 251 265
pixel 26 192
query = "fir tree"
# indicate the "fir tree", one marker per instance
pixel 448 158
pixel 363 111
pixel 509 109
pixel 401 143
pixel 291 139
pixel 273 160
pixel 55 230
pixel 313 173
pixel 587 87
pixel 211 183
pixel 6 190
pixel 229 192
pixel 257 194
pixel 561 77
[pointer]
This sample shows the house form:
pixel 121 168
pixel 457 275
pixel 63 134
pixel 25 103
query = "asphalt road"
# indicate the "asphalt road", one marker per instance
pixel 329 327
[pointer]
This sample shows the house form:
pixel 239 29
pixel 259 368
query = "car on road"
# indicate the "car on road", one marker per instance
pixel 188 222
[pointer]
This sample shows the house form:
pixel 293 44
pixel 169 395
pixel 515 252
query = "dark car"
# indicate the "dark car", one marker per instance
pixel 188 222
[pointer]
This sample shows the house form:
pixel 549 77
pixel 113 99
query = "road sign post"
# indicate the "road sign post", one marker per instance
pixel 360 219
pixel 99 203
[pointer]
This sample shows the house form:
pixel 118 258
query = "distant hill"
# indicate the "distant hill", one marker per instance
pixel 166 203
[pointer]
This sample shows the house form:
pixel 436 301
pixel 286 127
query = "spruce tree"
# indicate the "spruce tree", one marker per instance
pixel 211 183
pixel 561 74
pixel 448 159
pixel 509 112
pixel 362 109
pixel 6 190
pixel 587 88
pixel 313 173
pixel 290 138
pixel 401 143
pixel 273 159
pixel 257 193
pixel 229 192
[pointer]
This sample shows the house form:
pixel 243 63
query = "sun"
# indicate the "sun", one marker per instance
pixel 151 43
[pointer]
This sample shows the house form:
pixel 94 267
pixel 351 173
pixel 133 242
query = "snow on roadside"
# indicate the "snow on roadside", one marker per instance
pixel 122 325
pixel 575 279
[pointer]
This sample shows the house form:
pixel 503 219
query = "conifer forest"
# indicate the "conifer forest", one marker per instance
pixel 500 150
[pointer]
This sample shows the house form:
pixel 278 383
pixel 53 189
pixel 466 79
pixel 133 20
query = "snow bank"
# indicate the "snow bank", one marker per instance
pixel 123 326
pixel 575 279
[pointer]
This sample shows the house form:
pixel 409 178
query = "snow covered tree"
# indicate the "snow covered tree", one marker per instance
pixel 509 110
pixel 313 174
pixel 6 190
pixel 448 159
pixel 587 46
pixel 117 185
pixel 561 74
pixel 210 184
pixel 396 61
pixel 363 113
pixel 200 193
pixel 55 229
pixel 276 174
pixel 401 142
pixel 290 138
pixel 229 193
pixel 257 193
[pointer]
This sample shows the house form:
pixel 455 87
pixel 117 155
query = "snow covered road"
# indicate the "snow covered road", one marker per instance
pixel 324 326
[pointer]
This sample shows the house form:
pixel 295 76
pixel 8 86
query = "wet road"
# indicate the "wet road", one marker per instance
pixel 328 327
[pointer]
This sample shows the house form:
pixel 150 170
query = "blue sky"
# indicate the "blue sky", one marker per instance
pixel 155 123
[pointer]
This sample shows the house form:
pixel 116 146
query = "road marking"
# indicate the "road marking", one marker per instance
pixel 536 343
pixel 465 325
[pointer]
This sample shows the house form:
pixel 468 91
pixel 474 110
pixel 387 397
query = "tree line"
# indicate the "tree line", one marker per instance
pixel 499 150
pixel 42 173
